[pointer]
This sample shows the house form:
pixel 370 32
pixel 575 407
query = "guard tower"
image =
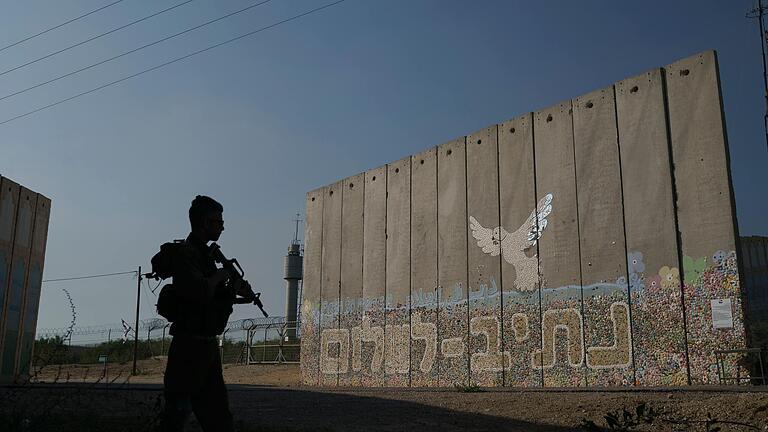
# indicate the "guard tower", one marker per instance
pixel 292 273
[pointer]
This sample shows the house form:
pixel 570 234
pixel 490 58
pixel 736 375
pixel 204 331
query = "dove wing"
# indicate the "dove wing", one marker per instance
pixel 536 222
pixel 484 237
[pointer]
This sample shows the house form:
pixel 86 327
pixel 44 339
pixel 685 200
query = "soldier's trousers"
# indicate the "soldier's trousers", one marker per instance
pixel 194 383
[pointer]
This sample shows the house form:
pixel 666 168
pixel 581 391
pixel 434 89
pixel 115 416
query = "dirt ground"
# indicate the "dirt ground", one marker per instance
pixel 271 398
pixel 150 371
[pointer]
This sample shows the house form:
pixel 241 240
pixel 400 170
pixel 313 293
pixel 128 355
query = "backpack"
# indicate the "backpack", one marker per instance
pixel 162 268
pixel 171 306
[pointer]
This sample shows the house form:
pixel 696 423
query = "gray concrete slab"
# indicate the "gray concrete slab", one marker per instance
pixel 310 303
pixel 559 260
pixel 332 348
pixel 705 209
pixel 486 357
pixel 424 306
pixel 651 234
pixel 453 321
pixel 374 277
pixel 520 266
pixel 601 240
pixel 22 249
pixel 397 334
pixel 352 274
pixel 35 279
pixel 9 201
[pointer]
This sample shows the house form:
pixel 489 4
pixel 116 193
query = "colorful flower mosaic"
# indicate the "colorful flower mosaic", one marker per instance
pixel 626 332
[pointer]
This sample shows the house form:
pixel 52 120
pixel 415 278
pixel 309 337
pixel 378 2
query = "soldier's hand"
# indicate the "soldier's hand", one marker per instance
pixel 243 288
pixel 221 275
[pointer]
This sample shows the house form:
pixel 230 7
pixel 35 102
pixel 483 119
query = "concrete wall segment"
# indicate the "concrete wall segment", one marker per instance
pixel 484 254
pixel 310 304
pixel 334 351
pixel 351 313
pixel 519 267
pixel 559 257
pixel 374 277
pixel 707 229
pixel 424 305
pixel 601 240
pixel 397 333
pixel 651 231
pixel 31 301
pixel 9 200
pixel 22 249
pixel 452 263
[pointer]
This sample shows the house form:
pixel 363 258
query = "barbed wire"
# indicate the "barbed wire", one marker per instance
pixel 154 324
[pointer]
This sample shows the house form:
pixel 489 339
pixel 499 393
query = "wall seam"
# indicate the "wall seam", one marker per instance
pixel 538 257
pixel 578 235
pixel 341 267
pixel 437 259
pixel 320 294
pixel 384 380
pixel 679 234
pixel 466 274
pixel 501 262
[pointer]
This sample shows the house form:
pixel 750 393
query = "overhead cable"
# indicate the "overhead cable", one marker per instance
pixel 58 26
pixel 89 276
pixel 133 50
pixel 95 37
pixel 171 62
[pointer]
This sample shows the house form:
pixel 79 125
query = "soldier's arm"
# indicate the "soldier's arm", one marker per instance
pixel 194 286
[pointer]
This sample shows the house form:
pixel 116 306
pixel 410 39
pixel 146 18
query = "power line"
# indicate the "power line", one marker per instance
pixel 133 50
pixel 95 37
pixel 90 276
pixel 58 26
pixel 171 62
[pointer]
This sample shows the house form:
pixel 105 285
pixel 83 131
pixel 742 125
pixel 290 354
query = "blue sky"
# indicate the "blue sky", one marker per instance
pixel 259 122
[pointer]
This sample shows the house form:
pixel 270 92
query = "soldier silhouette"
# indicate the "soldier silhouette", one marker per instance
pixel 203 295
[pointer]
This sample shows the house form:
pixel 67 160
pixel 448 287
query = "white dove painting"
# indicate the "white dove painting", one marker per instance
pixel 513 245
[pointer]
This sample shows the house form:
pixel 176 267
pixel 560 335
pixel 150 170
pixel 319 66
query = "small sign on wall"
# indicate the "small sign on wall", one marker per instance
pixel 722 317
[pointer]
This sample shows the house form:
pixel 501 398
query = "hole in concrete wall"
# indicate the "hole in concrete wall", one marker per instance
pixel 512 130
pixel 633 89
pixel 374 178
pixel 590 104
pixel 479 141
pixel 351 185
pixel 313 198
pixel 397 170
pixel 422 162
pixel 449 152
pixel 549 118
pixel 330 193
pixel 684 72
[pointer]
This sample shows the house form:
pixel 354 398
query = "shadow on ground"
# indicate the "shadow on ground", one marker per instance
pixel 132 407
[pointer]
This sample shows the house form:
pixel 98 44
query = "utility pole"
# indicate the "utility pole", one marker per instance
pixel 758 13
pixel 136 328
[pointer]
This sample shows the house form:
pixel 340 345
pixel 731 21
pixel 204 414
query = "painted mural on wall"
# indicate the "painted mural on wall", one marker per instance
pixel 513 245
pixel 505 312
pixel 562 329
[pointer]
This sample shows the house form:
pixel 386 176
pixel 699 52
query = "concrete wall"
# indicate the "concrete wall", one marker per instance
pixel 591 243
pixel 24 217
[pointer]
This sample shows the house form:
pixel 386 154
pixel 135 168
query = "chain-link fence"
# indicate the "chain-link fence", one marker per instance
pixel 245 341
